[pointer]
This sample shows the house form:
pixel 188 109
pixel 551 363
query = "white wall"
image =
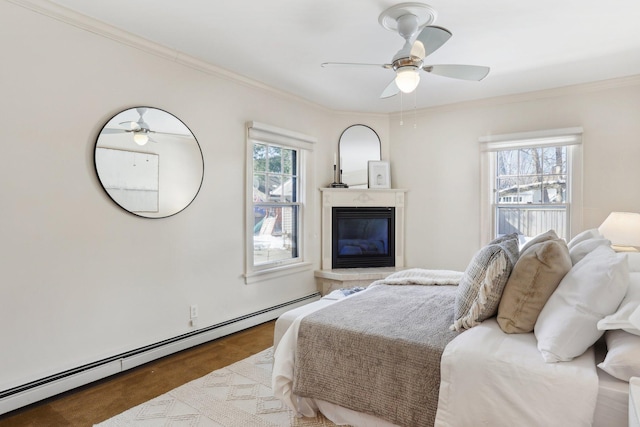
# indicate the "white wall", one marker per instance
pixel 436 156
pixel 81 279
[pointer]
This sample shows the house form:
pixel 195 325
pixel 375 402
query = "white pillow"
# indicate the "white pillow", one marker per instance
pixel 591 290
pixel 623 355
pixel 634 261
pixel 630 304
pixel 585 235
pixel 580 249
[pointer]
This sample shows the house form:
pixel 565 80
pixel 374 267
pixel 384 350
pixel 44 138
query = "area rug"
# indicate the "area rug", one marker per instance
pixel 238 395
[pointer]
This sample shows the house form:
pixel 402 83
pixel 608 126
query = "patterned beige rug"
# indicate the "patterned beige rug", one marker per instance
pixel 238 395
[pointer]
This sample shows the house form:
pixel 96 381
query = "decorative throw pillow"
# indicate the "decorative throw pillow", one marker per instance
pixel 580 249
pixel 629 305
pixel 483 281
pixel 549 235
pixel 591 290
pixel 585 235
pixel 623 355
pixel 535 276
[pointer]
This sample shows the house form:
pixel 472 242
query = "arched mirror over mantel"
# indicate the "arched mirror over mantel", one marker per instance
pixel 358 144
pixel 149 162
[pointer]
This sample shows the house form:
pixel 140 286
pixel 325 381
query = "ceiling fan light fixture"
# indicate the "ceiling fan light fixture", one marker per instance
pixel 412 21
pixel 140 138
pixel 407 78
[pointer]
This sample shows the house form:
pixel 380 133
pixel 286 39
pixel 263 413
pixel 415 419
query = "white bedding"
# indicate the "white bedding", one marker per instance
pixel 612 408
pixel 488 378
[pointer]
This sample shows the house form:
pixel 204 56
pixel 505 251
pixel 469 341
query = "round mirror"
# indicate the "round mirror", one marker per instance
pixel 358 144
pixel 149 162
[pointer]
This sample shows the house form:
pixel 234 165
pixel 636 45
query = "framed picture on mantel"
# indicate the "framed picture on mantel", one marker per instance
pixel 379 176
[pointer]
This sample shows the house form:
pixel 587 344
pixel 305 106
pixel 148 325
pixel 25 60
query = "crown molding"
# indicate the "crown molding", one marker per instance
pixel 92 25
pixel 86 23
pixel 597 86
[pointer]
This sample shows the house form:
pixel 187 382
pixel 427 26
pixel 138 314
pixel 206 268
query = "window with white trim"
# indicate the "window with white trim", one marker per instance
pixel 531 183
pixel 275 219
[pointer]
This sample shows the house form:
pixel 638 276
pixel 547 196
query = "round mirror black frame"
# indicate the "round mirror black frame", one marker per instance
pixel 143 150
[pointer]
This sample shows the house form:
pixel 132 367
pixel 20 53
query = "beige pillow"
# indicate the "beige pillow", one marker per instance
pixel 549 235
pixel 483 281
pixel 535 276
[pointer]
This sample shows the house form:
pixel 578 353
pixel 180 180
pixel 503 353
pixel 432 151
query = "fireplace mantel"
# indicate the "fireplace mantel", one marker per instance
pixel 337 197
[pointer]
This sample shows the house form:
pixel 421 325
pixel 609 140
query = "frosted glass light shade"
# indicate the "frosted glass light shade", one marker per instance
pixel 407 78
pixel 140 138
pixel 622 228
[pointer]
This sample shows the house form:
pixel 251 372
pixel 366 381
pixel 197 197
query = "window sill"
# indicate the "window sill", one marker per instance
pixel 275 272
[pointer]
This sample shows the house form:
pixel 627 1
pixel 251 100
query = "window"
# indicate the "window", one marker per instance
pixel 275 203
pixel 532 183
pixel 275 200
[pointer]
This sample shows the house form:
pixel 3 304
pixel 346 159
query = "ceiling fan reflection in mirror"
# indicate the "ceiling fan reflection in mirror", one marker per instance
pixel 139 129
pixel 412 22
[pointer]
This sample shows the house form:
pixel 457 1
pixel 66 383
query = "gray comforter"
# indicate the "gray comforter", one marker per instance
pixel 378 352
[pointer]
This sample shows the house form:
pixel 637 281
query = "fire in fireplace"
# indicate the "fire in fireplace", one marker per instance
pixel 363 237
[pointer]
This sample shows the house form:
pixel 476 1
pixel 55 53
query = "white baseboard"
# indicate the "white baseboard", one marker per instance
pixel 45 388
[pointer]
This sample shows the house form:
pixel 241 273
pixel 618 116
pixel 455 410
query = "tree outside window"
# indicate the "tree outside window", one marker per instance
pixel 531 190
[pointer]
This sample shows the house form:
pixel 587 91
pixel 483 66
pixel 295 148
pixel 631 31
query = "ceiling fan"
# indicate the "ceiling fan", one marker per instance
pixel 411 21
pixel 140 129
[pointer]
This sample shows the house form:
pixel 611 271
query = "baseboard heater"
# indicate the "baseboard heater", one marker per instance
pixel 26 394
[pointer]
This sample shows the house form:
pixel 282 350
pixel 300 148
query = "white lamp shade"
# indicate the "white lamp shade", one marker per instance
pixel 407 78
pixel 622 228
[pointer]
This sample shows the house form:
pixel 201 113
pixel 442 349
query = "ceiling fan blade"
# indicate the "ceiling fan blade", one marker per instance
pixel 429 40
pixel 464 72
pixel 175 135
pixel 112 130
pixel 353 64
pixel 130 125
pixel 391 90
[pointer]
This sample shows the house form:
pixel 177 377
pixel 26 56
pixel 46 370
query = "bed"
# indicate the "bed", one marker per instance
pixel 484 376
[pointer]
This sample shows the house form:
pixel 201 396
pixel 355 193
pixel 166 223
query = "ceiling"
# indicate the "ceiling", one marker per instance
pixel 529 45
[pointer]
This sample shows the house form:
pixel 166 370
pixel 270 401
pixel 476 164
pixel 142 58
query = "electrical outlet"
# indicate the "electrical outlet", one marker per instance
pixel 193 311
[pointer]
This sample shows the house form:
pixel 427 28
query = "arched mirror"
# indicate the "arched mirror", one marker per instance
pixel 149 162
pixel 358 144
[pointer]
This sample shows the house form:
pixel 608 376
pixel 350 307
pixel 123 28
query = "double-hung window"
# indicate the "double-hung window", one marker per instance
pixel 275 201
pixel 531 183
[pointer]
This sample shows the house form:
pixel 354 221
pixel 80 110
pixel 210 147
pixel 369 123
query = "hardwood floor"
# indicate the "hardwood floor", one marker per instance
pixel 104 399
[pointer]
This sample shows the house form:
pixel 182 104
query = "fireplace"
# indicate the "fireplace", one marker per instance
pixel 363 237
pixel 387 203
